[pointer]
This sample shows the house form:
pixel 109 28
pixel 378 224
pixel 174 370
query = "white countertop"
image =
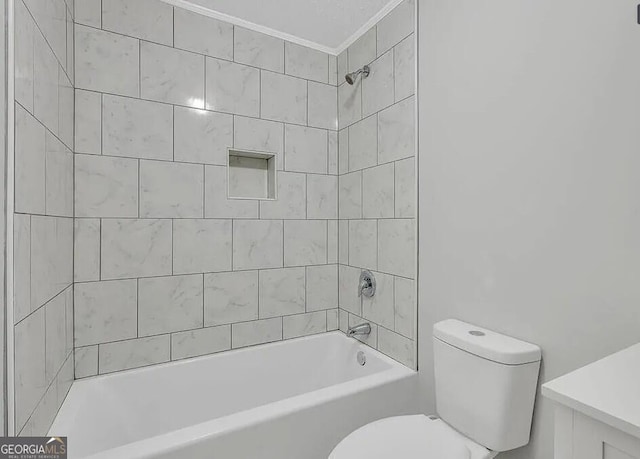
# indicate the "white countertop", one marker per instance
pixel 607 390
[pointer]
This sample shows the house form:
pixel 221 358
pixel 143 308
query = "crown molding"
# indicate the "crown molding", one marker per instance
pixel 189 5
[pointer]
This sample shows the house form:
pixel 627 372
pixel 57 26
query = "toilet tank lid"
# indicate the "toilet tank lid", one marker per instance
pixel 486 343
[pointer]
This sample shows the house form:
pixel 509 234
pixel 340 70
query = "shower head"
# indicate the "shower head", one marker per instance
pixel 353 76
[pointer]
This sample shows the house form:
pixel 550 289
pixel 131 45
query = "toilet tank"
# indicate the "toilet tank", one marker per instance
pixel 485 383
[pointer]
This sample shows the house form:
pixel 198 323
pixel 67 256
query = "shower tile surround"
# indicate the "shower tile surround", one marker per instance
pixel 165 266
pixel 43 213
pixel 376 184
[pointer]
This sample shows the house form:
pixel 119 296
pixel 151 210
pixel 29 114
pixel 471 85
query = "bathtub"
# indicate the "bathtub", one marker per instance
pixel 291 399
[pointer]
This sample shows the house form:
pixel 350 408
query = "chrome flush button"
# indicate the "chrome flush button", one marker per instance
pixel 476 333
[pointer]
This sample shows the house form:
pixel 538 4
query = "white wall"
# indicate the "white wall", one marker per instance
pixel 530 178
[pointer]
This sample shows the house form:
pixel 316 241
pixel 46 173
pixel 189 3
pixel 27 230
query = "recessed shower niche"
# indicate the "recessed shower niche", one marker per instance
pixel 251 175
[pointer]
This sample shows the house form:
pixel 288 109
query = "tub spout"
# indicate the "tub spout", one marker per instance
pixel 359 330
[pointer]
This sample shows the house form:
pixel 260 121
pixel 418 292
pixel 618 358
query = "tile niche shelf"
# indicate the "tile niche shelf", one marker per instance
pixel 251 175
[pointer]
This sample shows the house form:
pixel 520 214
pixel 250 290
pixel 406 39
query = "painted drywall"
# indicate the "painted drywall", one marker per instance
pixel 530 179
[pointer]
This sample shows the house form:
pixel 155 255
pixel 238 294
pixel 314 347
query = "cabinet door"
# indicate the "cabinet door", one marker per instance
pixel 594 440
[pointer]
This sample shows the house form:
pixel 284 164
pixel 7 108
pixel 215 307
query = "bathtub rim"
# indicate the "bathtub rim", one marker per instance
pixel 192 434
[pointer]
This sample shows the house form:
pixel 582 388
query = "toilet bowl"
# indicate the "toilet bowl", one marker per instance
pixel 485 390
pixel 409 437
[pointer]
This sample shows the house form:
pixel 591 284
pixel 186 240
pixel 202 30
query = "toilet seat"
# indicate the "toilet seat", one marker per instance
pixel 408 437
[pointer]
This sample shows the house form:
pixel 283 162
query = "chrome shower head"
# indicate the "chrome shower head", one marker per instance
pixel 353 76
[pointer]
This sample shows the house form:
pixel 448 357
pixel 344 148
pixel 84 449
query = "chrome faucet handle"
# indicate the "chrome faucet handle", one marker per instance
pixel 367 284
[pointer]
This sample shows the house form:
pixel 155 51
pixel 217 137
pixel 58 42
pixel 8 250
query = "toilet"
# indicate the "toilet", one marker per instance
pixel 485 385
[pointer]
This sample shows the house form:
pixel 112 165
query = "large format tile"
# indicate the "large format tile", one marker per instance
pixel 105 311
pixel 350 195
pixel 332 319
pixel 232 88
pixel 88 122
pixel 405 306
pixel 201 136
pixel 405 188
pixel 30 380
pixel 171 75
pixel 59 177
pixel 379 308
pixel 322 196
pixel 230 297
pixel 396 131
pixel 363 51
pixel 333 70
pixel 51 257
pixel 396 346
pixel 306 149
pixel 136 128
pixel 343 242
pixel 404 65
pixel 86 249
pixel 343 151
pixel 134 353
pixel 291 202
pixel 322 287
pixel 217 203
pixel 332 163
pixel 147 19
pixel 202 34
pixel 306 63
pixel 396 25
pixel 363 238
pixel 106 62
pixel 86 361
pixel 323 106
pixel 135 248
pixel 259 135
pixel 378 198
pixel 201 246
pixel 30 163
pixel 257 244
pixel 281 292
pixel 396 247
pixel 171 190
pixel 21 266
pixel 169 304
pixel 304 324
pixel 332 241
pixel 88 12
pixel 204 341
pixel 349 104
pixel 258 50
pixel 45 84
pixel 256 332
pixel 106 186
pixel 348 281
pixel 283 98
pixel 305 242
pixel 66 109
pixel 378 87
pixel 56 334
pixel 24 34
pixel 363 144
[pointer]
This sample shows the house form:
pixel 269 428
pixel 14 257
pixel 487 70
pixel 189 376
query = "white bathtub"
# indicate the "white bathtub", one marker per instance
pixel 292 399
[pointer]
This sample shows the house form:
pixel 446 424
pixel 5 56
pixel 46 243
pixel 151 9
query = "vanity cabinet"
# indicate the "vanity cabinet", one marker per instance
pixel 597 413
pixel 578 436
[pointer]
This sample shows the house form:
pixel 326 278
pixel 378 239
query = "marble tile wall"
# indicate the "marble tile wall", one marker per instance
pixel 166 266
pixel 376 183
pixel 43 218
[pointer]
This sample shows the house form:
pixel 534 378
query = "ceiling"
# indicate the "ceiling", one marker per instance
pixel 327 25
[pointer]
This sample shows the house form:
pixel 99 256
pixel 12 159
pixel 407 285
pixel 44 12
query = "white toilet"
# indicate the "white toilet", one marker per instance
pixel 485 391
